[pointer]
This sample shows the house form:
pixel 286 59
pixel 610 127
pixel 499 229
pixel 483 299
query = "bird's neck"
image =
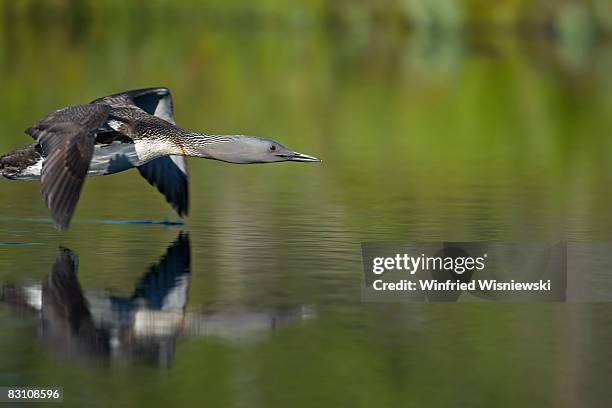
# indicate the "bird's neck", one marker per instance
pixel 203 145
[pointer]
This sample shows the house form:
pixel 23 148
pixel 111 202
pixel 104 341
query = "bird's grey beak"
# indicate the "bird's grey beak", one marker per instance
pixel 300 157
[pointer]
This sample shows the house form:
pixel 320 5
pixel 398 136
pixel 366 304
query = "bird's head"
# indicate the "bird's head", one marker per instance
pixel 250 149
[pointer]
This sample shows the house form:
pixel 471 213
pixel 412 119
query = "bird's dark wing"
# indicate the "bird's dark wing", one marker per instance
pixel 154 101
pixel 169 174
pixel 67 139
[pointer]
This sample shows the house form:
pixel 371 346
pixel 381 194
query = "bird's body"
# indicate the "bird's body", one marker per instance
pixel 133 129
pixel 111 158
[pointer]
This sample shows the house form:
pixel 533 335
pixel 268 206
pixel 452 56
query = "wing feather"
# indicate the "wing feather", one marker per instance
pixel 67 138
pixel 170 179
pixel 169 174
pixel 154 101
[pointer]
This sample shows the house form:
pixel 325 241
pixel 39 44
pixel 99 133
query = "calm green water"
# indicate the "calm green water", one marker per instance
pixel 423 138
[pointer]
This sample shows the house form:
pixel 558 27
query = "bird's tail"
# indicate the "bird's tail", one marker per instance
pixel 21 164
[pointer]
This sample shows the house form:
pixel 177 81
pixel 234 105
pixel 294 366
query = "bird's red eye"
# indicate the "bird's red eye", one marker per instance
pixel 272 148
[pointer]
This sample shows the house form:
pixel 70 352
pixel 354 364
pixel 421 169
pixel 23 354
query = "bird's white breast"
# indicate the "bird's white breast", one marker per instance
pixel 149 149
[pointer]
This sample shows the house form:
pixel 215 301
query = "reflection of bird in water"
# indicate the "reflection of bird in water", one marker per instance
pixel 119 132
pixel 143 326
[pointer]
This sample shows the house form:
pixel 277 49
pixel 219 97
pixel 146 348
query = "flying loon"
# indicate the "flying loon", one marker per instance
pixel 118 132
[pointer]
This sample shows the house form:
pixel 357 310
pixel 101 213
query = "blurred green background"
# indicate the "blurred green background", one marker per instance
pixel 436 120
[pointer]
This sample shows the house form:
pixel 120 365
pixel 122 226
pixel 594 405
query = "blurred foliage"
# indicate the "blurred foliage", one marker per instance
pixel 562 17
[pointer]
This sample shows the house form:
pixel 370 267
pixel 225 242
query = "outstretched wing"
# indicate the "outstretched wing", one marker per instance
pixel 168 173
pixel 154 101
pixel 67 138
